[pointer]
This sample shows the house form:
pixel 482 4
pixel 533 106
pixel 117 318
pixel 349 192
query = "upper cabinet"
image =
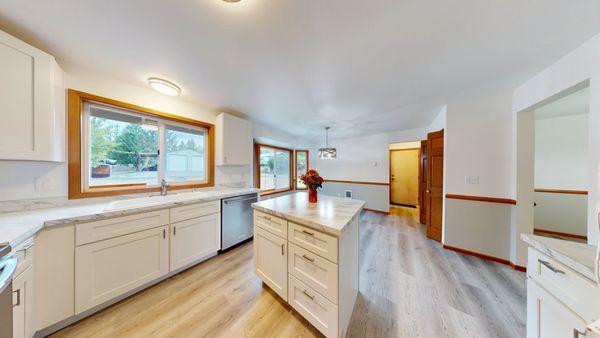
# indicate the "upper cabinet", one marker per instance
pixel 233 145
pixel 32 103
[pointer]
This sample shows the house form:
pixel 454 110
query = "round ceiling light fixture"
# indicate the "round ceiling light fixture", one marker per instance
pixel 164 87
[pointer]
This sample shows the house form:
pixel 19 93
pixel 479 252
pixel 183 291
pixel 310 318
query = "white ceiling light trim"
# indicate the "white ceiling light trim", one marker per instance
pixel 164 87
pixel 327 152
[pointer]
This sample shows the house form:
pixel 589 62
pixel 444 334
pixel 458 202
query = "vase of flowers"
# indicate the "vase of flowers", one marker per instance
pixel 313 181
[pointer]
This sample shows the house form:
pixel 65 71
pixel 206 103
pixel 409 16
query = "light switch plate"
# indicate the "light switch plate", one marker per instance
pixel 471 179
pixel 44 183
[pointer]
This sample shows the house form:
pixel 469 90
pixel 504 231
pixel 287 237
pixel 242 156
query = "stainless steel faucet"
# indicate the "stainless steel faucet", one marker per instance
pixel 163 187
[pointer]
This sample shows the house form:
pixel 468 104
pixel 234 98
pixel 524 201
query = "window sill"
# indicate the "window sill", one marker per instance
pixel 273 192
pixel 140 190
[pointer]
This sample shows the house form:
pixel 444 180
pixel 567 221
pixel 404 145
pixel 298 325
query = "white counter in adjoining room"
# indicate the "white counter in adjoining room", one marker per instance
pixel 309 255
pixel 563 296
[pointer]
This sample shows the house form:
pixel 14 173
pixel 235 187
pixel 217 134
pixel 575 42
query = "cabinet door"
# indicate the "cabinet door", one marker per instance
pixel 23 324
pixel 110 268
pixel 29 107
pixel 233 141
pixel 547 317
pixel 270 260
pixel 194 239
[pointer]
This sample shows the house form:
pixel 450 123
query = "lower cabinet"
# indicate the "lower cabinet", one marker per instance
pixel 194 239
pixel 23 306
pixel 270 261
pixel 109 268
pixel 547 317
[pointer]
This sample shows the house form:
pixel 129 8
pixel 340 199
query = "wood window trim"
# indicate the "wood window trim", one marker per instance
pixel 257 169
pixel 75 103
pixel 296 167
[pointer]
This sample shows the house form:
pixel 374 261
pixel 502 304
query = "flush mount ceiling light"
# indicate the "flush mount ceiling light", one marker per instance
pixel 164 86
pixel 327 152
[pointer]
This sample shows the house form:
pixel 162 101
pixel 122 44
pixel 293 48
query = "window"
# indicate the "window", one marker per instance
pixel 273 168
pixel 118 148
pixel 301 167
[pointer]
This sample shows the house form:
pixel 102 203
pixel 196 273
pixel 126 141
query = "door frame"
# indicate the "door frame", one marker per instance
pixel 422 182
pixel 390 173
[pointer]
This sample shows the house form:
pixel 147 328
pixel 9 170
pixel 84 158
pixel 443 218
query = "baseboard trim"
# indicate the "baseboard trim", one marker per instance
pixel 486 257
pixel 564 234
pixel 377 211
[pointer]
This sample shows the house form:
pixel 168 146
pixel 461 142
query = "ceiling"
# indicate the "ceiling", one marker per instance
pixel 360 66
pixel 573 104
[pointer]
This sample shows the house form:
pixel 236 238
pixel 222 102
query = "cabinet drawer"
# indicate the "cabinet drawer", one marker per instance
pixel 114 227
pixel 186 212
pixel 314 241
pixel 272 224
pixel 317 272
pixel 24 252
pixel 107 269
pixel 580 294
pixel 318 310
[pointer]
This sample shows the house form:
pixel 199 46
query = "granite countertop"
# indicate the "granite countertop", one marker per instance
pixel 330 214
pixel 18 226
pixel 578 256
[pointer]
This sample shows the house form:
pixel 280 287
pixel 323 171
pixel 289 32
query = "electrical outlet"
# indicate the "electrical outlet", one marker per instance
pixel 471 179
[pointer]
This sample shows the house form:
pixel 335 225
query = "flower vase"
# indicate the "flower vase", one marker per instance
pixel 312 195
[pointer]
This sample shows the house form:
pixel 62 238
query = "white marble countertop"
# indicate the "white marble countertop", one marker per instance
pixel 18 226
pixel 330 214
pixel 580 257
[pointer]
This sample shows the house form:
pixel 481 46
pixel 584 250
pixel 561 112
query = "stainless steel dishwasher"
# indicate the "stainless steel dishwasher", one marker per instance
pixel 236 220
pixel 8 265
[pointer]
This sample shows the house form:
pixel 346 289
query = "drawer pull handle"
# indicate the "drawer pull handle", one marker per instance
pixel 312 297
pixel 25 248
pixel 308 258
pixel 282 248
pixel 18 292
pixel 549 266
pixel 266 217
pixel 308 233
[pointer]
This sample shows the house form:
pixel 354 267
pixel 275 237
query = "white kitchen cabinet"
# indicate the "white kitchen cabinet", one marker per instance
pixel 23 305
pixel 547 317
pixel 233 141
pixel 33 103
pixel 194 240
pixel 270 261
pixel 107 269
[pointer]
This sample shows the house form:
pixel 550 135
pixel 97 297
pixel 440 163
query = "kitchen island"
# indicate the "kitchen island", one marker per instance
pixel 309 255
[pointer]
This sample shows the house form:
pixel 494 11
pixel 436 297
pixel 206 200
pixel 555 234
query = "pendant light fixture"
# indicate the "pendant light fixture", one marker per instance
pixel 327 152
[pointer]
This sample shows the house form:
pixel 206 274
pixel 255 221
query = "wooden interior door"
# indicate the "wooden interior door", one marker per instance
pixel 422 182
pixel 435 180
pixel 404 172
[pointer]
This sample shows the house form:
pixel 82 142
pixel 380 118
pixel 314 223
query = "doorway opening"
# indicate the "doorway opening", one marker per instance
pixel 404 174
pixel 561 167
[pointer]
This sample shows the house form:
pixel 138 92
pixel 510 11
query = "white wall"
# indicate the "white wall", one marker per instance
pixel 479 134
pixel 561 152
pixel 18 178
pixel 478 141
pixel 580 67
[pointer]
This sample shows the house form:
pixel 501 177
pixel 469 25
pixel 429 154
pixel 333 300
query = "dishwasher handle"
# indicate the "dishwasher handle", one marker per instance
pixel 253 198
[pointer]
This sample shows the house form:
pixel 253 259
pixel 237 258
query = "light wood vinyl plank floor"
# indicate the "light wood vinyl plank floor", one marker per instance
pixel 409 287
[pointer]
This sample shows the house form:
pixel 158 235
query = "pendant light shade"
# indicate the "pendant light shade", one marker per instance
pixel 327 152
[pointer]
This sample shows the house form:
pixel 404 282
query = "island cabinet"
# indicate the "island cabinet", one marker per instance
pixel 313 268
pixel 561 301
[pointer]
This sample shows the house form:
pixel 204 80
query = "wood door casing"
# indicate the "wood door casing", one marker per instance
pixel 435 182
pixel 422 182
